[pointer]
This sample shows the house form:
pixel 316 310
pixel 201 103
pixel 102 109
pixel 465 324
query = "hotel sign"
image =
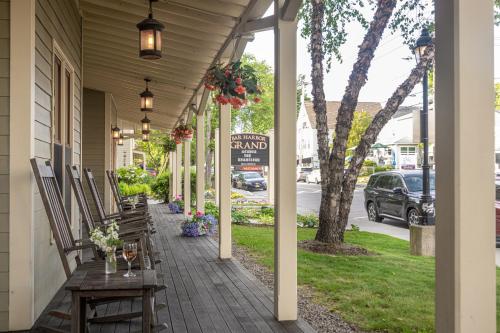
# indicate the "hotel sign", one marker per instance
pixel 249 149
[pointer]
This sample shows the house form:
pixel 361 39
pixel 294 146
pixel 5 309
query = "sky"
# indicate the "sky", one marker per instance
pixel 389 67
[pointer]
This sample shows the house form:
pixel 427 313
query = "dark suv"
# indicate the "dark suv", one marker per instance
pixel 397 195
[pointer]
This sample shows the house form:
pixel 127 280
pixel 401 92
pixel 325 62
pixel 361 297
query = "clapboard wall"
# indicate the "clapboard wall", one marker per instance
pixel 4 163
pixel 57 21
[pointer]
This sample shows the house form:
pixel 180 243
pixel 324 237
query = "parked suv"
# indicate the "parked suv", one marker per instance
pixel 397 195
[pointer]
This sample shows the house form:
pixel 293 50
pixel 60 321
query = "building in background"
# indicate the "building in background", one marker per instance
pixel 307 143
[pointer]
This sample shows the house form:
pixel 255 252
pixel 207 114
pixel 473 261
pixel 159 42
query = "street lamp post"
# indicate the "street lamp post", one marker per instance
pixel 427 205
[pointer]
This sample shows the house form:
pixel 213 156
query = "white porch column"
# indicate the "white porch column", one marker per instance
pixel 285 228
pixel 217 166
pixel 178 170
pixel 187 177
pixel 200 161
pixel 225 182
pixel 270 181
pixel 21 203
pixel 171 168
pixel 465 228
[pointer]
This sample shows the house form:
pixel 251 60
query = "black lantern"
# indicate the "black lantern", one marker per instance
pixel 115 132
pixel 120 140
pixel 423 41
pixel 147 98
pixel 150 36
pixel 145 137
pixel 146 125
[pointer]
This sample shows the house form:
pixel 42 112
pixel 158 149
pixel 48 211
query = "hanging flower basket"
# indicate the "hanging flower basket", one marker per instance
pixel 182 133
pixel 169 145
pixel 234 83
pixel 199 225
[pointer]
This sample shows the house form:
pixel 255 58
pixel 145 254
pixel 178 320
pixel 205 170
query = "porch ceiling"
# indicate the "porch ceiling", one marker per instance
pixel 195 31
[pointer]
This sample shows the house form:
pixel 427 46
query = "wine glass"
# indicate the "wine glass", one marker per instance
pixel 129 254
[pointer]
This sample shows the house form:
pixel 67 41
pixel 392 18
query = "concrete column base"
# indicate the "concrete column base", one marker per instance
pixel 422 240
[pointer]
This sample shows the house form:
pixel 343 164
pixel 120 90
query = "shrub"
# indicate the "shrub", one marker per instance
pixel 133 175
pixel 160 186
pixel 212 209
pixel 307 221
pixel 369 163
pixel 266 211
pixel 236 195
pixel 383 168
pixel 238 216
pixel 134 189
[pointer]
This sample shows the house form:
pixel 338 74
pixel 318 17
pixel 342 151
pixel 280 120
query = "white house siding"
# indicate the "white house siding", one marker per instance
pixel 57 20
pixel 4 163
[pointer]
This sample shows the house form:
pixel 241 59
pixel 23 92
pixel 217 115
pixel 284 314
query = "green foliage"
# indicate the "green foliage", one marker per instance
pixel 212 209
pixel 360 123
pixel 257 117
pixel 133 175
pixel 338 14
pixel 380 168
pixel 239 216
pixel 160 187
pixel 193 182
pixel 354 227
pixel 308 221
pixel 169 144
pixel 133 189
pixel 155 151
pixel 369 163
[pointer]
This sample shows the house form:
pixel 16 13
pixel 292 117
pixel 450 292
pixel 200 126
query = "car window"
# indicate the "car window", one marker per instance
pixel 371 182
pixel 384 182
pixel 397 182
pixel 414 182
pixel 252 175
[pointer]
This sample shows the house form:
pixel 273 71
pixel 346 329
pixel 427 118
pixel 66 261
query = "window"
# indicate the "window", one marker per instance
pixel 69 109
pixel 408 150
pixel 63 99
pixel 397 182
pixel 385 182
pixel 57 99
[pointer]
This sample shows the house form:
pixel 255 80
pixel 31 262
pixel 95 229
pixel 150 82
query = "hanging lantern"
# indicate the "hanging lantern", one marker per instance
pixel 150 36
pixel 146 125
pixel 115 131
pixel 145 137
pixel 120 140
pixel 147 98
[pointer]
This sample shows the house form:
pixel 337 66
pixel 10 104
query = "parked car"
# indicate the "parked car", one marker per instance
pixel 397 195
pixel 251 181
pixel 234 176
pixel 302 177
pixel 314 177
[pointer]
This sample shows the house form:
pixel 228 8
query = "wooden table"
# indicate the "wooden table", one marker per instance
pixel 96 284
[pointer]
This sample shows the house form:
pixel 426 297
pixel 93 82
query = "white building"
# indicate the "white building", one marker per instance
pixel 307 143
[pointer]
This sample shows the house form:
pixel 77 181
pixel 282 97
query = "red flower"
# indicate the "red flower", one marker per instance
pixel 227 73
pixel 238 80
pixel 209 87
pixel 240 90
pixel 257 99
pixel 189 213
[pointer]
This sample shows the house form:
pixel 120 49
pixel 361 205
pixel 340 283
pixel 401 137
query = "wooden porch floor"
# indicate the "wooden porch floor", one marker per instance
pixel 203 293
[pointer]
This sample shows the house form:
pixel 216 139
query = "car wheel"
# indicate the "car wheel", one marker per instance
pixel 412 217
pixel 372 213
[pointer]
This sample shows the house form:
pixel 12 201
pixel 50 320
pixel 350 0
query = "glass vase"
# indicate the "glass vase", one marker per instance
pixel 111 261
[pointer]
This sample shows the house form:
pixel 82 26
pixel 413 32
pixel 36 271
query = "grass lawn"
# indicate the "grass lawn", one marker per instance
pixel 390 291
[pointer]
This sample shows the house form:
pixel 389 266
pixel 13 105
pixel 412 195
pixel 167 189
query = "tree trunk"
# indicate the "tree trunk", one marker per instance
pixel 319 105
pixel 331 228
pixel 373 130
